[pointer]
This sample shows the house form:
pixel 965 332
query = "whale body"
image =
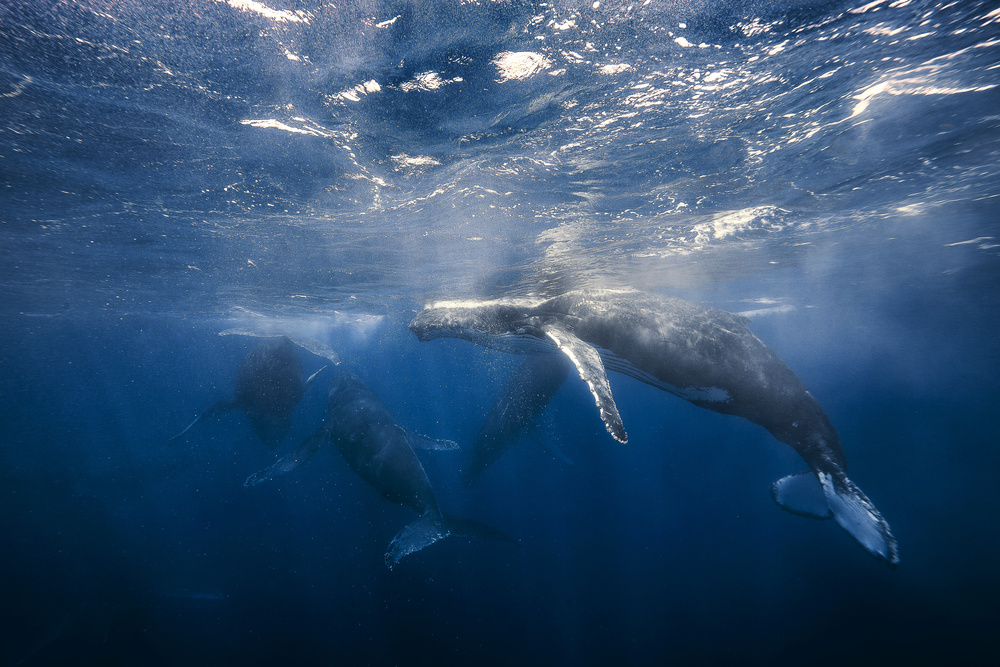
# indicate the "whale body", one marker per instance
pixel 269 385
pixel 381 452
pixel 526 394
pixel 704 355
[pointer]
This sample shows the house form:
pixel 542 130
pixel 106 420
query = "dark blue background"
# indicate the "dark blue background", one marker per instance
pixel 120 550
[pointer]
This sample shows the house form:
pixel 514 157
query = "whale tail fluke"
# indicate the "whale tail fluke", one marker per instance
pixel 433 527
pixel 801 494
pixel 823 495
pixel 857 515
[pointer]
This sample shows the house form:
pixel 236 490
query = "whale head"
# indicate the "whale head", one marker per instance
pixel 467 321
pixel 500 325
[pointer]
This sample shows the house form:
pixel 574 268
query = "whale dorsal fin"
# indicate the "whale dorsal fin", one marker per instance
pixel 588 364
pixel 419 441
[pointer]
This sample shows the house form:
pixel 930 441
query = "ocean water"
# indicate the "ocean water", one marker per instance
pixel 170 171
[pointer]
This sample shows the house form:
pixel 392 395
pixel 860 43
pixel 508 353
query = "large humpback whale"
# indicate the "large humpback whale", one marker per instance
pixel 268 387
pixel 381 453
pixel 701 354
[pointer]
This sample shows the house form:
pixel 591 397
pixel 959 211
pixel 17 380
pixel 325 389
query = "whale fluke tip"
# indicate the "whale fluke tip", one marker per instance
pixel 432 527
pixel 801 494
pixel 857 515
pixel 822 496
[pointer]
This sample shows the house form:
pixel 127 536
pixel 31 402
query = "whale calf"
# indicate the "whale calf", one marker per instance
pixel 381 453
pixel 268 387
pixel 527 392
pixel 704 355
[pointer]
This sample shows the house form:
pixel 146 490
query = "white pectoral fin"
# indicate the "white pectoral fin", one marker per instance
pixel 317 347
pixel 291 461
pixel 588 364
pixel 313 376
pixel 418 441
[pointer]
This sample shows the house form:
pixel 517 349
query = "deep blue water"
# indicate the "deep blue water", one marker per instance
pixel 168 172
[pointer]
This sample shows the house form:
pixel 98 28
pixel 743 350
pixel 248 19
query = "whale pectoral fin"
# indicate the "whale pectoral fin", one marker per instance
pixel 313 377
pixel 317 347
pixel 588 364
pixel 547 443
pixel 418 441
pixel 219 408
pixel 801 494
pixel 858 516
pixel 292 461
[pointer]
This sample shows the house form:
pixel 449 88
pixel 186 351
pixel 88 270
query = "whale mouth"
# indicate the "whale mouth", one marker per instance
pixel 424 335
pixel 518 342
pixel 425 332
pixel 422 330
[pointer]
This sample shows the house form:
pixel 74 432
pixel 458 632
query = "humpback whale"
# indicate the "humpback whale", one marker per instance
pixel 381 453
pixel 706 356
pixel 268 387
pixel 527 392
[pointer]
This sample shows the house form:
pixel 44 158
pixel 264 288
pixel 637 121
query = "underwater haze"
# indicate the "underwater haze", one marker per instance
pixel 325 170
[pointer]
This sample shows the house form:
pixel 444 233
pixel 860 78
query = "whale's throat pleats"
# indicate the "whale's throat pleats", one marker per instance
pixel 518 342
